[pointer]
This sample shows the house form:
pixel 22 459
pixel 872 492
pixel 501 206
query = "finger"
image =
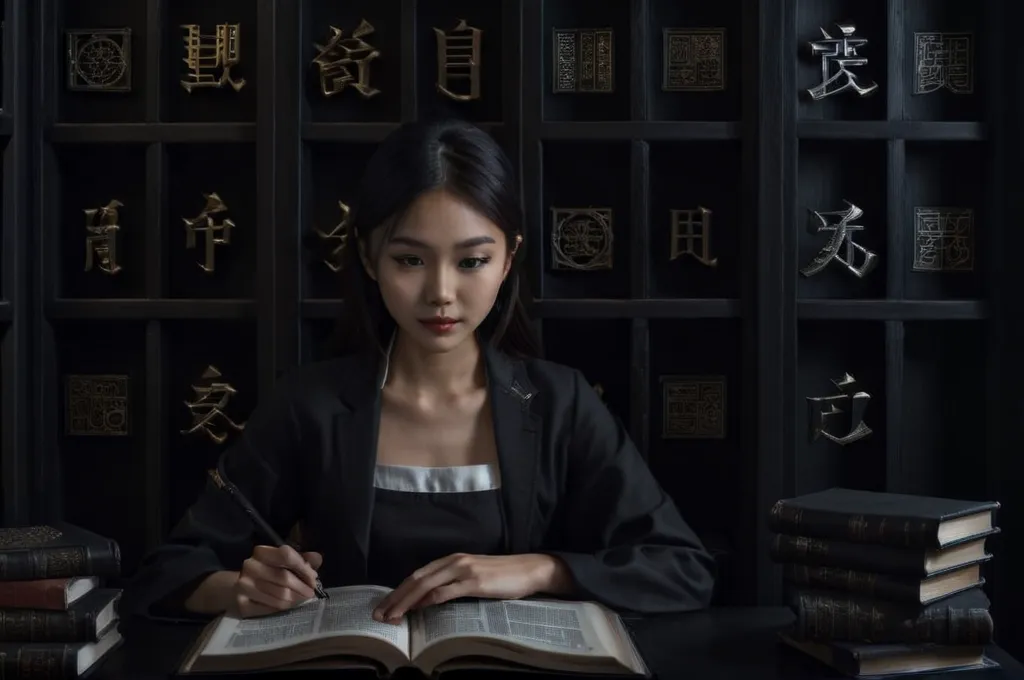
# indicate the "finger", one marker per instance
pixel 447 575
pixel 442 594
pixel 410 583
pixel 313 559
pixel 246 608
pixel 286 558
pixel 269 594
pixel 258 571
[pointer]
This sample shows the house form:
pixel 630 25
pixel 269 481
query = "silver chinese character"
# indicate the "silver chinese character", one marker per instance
pixel 842 231
pixel 943 60
pixel 855 403
pixel 840 55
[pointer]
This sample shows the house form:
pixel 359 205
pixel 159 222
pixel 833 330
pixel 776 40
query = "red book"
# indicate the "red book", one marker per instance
pixel 56 594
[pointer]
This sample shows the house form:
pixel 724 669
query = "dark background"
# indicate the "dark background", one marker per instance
pixel 934 351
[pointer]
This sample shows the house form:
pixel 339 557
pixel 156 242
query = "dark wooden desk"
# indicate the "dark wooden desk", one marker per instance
pixel 727 644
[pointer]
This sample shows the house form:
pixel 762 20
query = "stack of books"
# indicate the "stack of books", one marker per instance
pixel 885 583
pixel 57 618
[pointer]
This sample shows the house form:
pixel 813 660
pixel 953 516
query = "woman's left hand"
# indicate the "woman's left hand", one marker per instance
pixel 498 577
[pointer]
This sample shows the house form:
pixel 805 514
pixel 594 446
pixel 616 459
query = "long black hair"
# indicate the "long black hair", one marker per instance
pixel 419 157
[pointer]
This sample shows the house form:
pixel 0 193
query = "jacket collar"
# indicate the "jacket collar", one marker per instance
pixel 516 432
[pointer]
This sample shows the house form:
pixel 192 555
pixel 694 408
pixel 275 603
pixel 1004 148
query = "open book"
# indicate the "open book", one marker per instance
pixel 530 634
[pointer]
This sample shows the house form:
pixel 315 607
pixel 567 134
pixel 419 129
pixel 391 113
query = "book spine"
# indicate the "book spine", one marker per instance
pixel 898 532
pixel 59 562
pixel 883 586
pixel 816 552
pixel 49 662
pixel 46 626
pixel 46 594
pixel 824 618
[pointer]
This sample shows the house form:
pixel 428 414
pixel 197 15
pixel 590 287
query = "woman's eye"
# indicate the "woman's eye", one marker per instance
pixel 474 262
pixel 408 260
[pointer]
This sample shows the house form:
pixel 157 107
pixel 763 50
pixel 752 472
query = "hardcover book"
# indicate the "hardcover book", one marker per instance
pixel 56 551
pixel 339 632
pixel 896 520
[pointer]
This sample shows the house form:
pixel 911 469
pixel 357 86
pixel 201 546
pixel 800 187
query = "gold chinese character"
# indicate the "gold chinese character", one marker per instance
pixel 338 54
pixel 338 236
pixel 205 53
pixel 693 407
pixel 693 60
pixel 96 405
pixel 211 400
pixel 581 238
pixel 101 243
pixel 458 58
pixel 204 222
pixel 583 60
pixel 691 226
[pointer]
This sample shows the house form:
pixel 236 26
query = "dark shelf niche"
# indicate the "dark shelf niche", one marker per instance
pixel 946 175
pixel 688 176
pixel 385 70
pixel 713 105
pixel 587 176
pixel 826 351
pixel 192 346
pixel 830 173
pixel 871 24
pixel 112 354
pixel 587 106
pixel 699 358
pixel 92 177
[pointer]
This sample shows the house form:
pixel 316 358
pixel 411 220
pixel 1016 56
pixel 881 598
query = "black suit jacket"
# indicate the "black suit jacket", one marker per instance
pixel 573 485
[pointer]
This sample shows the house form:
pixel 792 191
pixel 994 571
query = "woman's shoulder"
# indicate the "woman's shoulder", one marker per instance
pixel 555 382
pixel 326 382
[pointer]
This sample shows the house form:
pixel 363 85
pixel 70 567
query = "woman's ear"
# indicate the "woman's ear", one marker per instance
pixel 512 256
pixel 364 258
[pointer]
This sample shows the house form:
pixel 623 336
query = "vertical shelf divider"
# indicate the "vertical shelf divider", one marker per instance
pixel 638 66
pixel 898 470
pixel 16 466
pixel 266 200
pixel 157 491
pixel 512 86
pixel 288 220
pixel 532 118
pixel 409 107
pixel 747 481
pixel 155 15
pixel 47 483
pixel 639 378
pixel 776 289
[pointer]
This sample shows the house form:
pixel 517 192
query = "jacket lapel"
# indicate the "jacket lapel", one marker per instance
pixel 516 437
pixel 355 440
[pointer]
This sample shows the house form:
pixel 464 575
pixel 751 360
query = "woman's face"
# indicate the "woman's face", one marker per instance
pixel 440 271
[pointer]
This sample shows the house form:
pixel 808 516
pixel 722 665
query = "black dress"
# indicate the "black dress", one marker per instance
pixel 421 514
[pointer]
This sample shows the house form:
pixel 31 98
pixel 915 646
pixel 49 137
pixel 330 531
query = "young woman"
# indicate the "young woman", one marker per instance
pixel 438 455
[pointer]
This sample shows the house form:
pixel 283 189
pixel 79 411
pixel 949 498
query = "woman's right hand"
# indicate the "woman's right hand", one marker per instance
pixel 275 579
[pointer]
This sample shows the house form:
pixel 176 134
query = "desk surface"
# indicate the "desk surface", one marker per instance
pixel 725 643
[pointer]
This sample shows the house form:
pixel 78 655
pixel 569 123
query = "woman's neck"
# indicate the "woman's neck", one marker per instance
pixel 455 372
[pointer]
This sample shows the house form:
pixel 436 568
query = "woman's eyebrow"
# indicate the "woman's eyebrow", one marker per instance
pixel 468 243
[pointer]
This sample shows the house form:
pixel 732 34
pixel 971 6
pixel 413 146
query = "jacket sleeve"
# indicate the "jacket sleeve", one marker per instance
pixel 214 534
pixel 620 535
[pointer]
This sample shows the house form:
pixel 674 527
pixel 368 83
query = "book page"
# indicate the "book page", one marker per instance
pixel 549 625
pixel 348 611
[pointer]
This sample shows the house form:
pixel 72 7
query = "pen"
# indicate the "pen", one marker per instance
pixel 259 522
